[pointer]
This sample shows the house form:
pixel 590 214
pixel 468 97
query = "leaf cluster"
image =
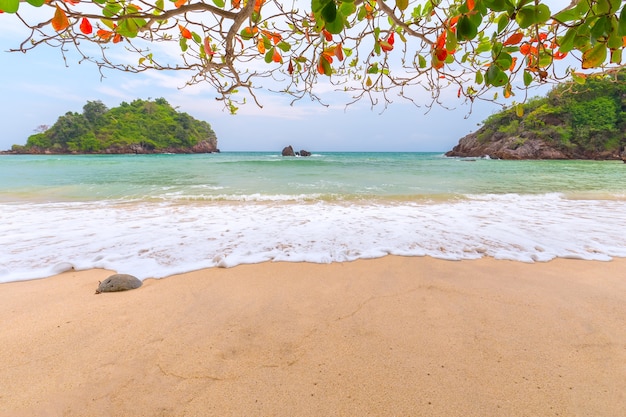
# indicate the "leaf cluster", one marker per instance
pixel 153 125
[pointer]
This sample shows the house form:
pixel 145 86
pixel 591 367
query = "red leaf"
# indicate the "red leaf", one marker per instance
pixel 207 46
pixel 85 26
pixel 290 67
pixel 391 39
pixel 514 39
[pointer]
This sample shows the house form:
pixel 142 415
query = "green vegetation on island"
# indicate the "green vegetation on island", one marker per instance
pixel 139 127
pixel 581 119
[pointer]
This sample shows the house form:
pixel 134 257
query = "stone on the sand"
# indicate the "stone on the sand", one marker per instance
pixel 118 282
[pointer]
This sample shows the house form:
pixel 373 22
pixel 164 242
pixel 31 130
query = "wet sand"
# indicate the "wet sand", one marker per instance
pixel 386 337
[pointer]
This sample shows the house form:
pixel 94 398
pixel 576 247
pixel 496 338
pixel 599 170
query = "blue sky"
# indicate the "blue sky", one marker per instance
pixel 38 87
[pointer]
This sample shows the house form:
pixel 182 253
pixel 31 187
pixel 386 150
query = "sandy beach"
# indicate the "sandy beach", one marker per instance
pixel 386 337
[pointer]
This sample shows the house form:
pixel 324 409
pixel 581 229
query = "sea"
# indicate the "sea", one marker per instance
pixel 157 215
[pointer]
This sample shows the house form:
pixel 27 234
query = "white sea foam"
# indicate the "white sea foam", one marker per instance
pixel 153 239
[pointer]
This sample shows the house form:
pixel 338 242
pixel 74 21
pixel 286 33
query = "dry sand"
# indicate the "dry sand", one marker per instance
pixel 387 337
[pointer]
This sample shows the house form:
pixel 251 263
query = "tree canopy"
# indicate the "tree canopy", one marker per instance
pixel 374 49
pixel 580 120
pixel 141 126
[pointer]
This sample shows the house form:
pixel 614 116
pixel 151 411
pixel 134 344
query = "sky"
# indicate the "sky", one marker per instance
pixel 37 87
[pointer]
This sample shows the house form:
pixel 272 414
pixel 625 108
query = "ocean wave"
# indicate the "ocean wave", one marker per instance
pixel 158 239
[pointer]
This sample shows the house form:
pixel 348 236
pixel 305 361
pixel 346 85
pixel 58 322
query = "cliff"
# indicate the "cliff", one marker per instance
pixel 574 121
pixel 139 127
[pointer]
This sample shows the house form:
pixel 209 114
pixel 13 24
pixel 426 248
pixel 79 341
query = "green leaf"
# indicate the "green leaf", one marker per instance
pixel 566 43
pixel 329 12
pixel 36 3
pixel 479 78
pixel 111 9
pixel 519 110
pixel 531 15
pixel 503 21
pixel 268 55
pixel 568 15
pixel 284 46
pixel 496 77
pixel 318 5
pixel 594 57
pixel 621 28
pixel 347 8
pixel 219 3
pixel 421 61
pixel 183 44
pixel 128 28
pixel 465 29
pixel 528 78
pixel 336 26
pixel 402 4
pixel 196 38
pixel 616 56
pixel 9 6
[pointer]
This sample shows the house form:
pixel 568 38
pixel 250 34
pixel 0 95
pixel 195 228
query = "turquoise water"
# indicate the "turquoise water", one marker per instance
pixel 157 215
pixel 231 176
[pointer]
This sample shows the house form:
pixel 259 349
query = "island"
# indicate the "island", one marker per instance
pixel 581 119
pixel 141 127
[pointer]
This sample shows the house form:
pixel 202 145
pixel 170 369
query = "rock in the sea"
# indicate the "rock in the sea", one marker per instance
pixel 118 282
pixel 288 151
pixel 305 153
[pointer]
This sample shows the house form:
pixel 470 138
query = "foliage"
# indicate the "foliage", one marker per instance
pixel 588 117
pixel 153 125
pixel 366 47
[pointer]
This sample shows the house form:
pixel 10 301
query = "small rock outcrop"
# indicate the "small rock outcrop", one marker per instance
pixel 288 151
pixel 118 282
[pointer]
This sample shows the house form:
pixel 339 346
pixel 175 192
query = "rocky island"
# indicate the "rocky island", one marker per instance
pixel 141 127
pixel 576 120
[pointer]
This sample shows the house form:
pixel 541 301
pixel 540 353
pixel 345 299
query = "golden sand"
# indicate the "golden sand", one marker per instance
pixel 387 337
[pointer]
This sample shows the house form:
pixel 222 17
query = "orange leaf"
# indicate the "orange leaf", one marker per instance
pixel 117 38
pixel 327 35
pixel 385 46
pixel 59 21
pixel 560 55
pixel 470 5
pixel 339 52
pixel 513 62
pixel 260 45
pixel 276 56
pixel 236 4
pixel 524 49
pixel 179 3
pixel 105 35
pixel 441 40
pixel 85 26
pixel 514 39
pixel 184 32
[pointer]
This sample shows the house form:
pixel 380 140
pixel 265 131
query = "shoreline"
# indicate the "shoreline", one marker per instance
pixel 387 336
